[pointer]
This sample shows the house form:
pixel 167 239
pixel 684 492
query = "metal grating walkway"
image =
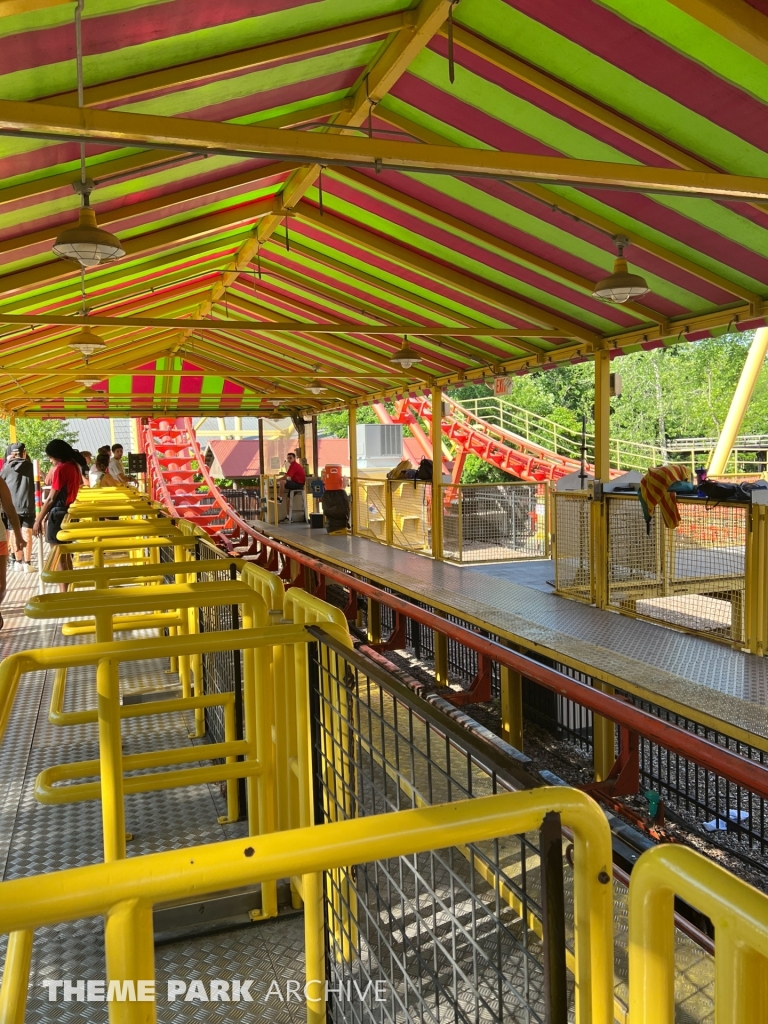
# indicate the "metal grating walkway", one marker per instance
pixel 37 838
pixel 672 668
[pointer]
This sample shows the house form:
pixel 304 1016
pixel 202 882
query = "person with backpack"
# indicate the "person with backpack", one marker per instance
pixel 20 478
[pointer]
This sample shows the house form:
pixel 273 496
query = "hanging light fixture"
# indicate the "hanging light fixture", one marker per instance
pixel 88 382
pixel 87 343
pixel 275 401
pixel 405 356
pixel 316 386
pixel 620 286
pixel 86 243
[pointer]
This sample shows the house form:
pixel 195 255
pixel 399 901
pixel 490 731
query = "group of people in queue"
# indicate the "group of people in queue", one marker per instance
pixel 70 470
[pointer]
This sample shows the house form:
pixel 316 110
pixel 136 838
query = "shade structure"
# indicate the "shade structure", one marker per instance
pixel 642 102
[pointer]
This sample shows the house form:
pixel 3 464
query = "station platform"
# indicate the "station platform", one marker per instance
pixel 681 672
pixel 37 838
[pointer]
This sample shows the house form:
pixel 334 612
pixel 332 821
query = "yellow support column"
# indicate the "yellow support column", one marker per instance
pixel 437 473
pixel 374 621
pixel 12 430
pixel 604 731
pixel 352 432
pixel 512 707
pixel 602 415
pixel 740 401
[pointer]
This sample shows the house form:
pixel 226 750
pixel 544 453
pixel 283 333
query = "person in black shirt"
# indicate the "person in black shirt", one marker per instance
pixel 19 476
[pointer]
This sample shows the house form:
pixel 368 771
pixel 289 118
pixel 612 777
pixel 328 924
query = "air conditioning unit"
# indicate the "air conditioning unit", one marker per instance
pixel 379 444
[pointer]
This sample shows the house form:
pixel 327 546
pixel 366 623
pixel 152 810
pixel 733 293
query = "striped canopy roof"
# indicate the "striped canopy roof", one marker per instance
pixel 228 232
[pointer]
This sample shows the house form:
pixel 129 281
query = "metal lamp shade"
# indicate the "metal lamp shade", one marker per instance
pixel 405 357
pixel 87 343
pixel 87 243
pixel 621 286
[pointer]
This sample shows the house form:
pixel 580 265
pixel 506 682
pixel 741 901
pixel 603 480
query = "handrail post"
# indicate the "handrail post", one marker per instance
pixel 111 759
pixel 130 953
pixel 352 435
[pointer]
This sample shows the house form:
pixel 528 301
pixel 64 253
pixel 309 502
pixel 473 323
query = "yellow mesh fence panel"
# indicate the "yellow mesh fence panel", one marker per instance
pixel 370 509
pixel 494 522
pixel 411 514
pixel 691 577
pixel 573 561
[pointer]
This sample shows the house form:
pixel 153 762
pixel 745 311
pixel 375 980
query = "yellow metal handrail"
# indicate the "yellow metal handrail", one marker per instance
pixel 739 914
pixel 124 892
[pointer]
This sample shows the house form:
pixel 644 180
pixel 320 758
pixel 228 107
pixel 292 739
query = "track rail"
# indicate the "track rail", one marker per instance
pixel 472 435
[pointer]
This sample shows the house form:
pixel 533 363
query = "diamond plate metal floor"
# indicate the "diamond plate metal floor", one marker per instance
pixel 35 838
pixel 665 665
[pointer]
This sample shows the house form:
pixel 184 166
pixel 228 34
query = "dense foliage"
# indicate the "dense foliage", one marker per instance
pixel 35 434
pixel 683 391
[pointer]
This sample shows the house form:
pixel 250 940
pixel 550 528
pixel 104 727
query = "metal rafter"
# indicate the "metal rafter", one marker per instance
pixel 431 269
pixel 483 238
pixel 377 81
pixel 195 73
pixel 110 127
pixel 586 215
pixel 735 20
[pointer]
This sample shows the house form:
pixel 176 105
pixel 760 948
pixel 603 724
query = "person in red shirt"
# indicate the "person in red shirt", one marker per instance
pixel 66 479
pixel 294 477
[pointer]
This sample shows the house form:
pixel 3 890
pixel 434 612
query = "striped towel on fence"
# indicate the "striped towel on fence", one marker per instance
pixel 654 490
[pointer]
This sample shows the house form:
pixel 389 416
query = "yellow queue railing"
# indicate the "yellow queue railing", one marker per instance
pixel 739 914
pixel 124 892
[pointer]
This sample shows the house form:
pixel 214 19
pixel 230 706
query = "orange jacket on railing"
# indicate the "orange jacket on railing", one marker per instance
pixel 654 490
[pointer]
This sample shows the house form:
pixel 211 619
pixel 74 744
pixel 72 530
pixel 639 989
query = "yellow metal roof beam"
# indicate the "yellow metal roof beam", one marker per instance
pixel 373 286
pixel 235 325
pixel 434 271
pixel 588 216
pixel 413 37
pixel 484 238
pixel 187 76
pixel 735 20
pixel 110 126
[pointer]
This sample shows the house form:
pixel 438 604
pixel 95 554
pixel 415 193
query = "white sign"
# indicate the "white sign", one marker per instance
pixel 502 385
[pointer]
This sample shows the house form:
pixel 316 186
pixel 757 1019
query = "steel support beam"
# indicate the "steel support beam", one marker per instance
pixel 241 62
pixel 108 126
pixel 435 271
pixel 740 401
pixel 602 415
pixel 738 22
pixel 278 327
pixel 572 209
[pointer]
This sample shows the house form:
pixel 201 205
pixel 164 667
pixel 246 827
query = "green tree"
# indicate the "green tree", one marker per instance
pixel 35 434
pixel 336 424
pixel 478 472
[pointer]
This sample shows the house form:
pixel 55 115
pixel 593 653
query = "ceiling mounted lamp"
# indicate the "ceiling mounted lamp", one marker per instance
pixel 87 343
pixel 405 356
pixel 316 386
pixel 275 401
pixel 89 382
pixel 87 243
pixel 621 286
